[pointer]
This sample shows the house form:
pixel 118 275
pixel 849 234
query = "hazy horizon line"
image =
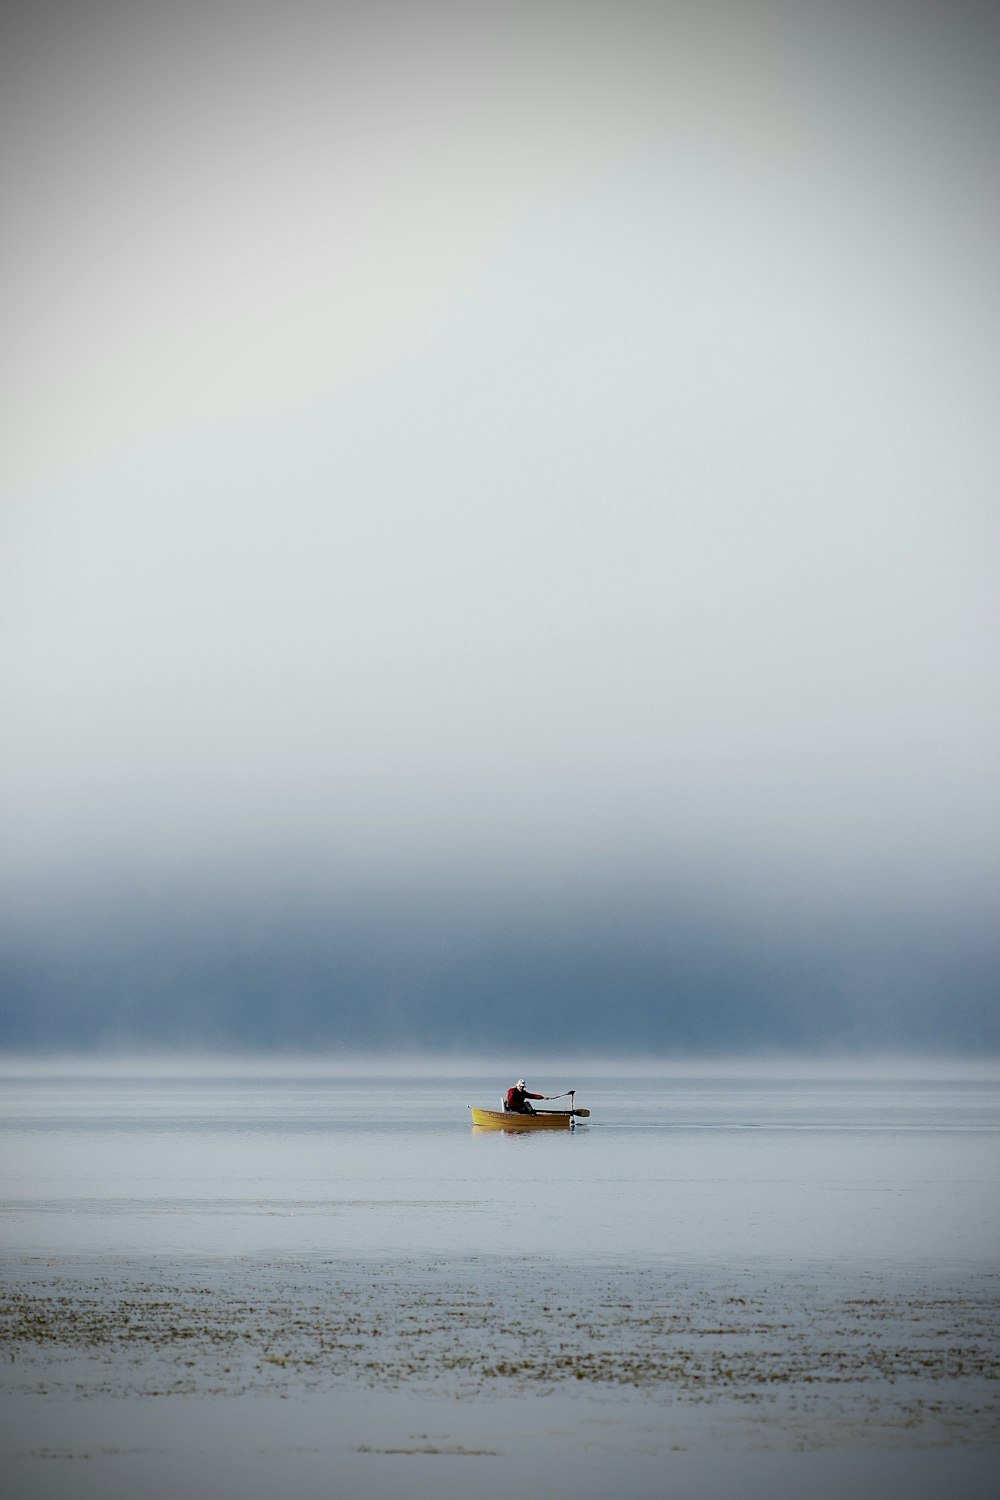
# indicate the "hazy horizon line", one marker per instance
pixel 418 1063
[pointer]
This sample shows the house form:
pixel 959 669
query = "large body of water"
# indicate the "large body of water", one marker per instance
pixel 710 1168
pixel 282 1281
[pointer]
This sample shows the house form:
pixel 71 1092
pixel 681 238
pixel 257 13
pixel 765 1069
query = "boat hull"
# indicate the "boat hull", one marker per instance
pixel 503 1119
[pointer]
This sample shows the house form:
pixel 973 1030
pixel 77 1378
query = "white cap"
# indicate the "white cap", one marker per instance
pixel 520 1083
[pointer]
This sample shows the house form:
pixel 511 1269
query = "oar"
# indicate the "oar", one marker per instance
pixel 570 1094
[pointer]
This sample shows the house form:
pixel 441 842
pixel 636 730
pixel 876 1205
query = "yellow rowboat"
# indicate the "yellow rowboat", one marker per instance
pixel 542 1119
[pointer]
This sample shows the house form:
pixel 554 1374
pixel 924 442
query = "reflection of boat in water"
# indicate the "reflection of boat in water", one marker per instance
pixel 542 1119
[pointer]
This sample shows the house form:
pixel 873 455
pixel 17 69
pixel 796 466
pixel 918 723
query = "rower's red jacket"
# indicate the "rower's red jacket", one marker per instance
pixel 516 1098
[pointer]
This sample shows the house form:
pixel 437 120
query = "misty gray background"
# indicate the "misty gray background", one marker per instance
pixel 499 526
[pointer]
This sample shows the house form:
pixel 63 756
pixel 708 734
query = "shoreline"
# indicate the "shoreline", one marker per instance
pixel 427 1377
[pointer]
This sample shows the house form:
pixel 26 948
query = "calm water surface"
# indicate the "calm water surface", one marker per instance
pixel 693 1169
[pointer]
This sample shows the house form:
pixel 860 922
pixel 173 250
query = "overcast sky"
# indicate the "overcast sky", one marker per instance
pixel 519 482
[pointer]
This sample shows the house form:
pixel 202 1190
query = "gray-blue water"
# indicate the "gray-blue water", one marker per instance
pixel 286 1282
pixel 719 1169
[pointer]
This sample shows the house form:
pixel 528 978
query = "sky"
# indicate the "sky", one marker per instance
pixel 498 525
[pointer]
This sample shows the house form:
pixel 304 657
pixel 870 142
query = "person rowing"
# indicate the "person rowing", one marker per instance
pixel 517 1100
